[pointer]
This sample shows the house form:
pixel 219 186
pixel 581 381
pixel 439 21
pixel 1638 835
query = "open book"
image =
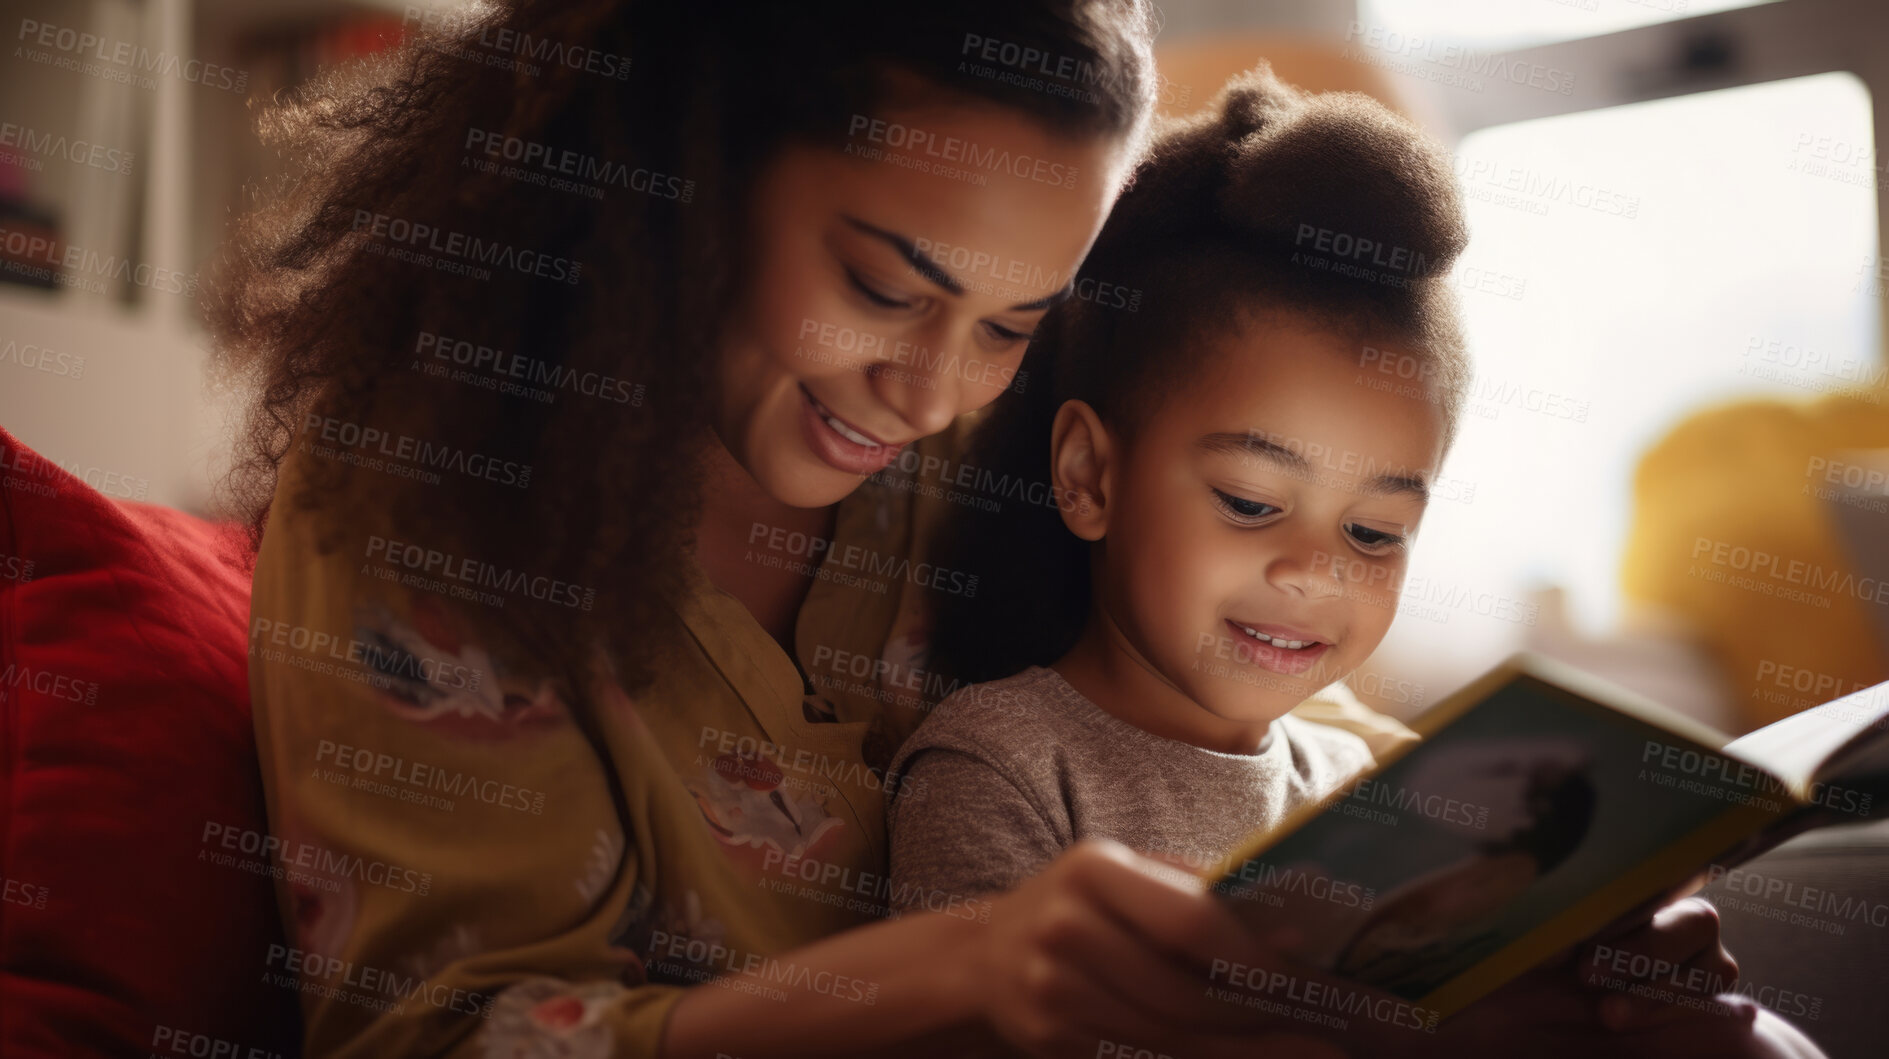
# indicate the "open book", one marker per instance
pixel 1541 805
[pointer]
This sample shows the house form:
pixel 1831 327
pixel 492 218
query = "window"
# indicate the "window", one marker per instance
pixel 1627 267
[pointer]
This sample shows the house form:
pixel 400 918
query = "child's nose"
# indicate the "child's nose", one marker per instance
pixel 1307 566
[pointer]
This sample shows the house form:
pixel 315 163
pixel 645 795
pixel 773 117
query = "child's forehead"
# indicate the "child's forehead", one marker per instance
pixel 1314 390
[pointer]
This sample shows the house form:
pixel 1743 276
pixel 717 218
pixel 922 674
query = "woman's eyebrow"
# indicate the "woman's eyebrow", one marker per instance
pixel 924 265
pixel 936 273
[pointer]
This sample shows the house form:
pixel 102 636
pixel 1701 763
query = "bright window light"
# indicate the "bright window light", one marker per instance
pixel 1626 268
pixel 1523 23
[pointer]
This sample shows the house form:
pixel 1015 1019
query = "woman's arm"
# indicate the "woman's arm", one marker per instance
pixel 1104 947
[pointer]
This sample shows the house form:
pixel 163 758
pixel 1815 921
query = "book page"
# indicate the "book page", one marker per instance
pixel 1521 808
pixel 1845 738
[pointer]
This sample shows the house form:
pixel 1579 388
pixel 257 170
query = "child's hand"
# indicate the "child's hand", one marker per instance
pixel 1647 972
pixel 1105 952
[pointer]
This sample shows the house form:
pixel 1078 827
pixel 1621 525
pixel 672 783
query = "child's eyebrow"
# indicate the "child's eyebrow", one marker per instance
pixel 936 273
pixel 1246 446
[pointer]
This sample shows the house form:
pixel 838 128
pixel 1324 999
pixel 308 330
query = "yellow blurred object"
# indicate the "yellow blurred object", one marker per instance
pixel 1729 526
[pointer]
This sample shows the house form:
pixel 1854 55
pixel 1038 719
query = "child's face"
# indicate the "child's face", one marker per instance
pixel 1258 529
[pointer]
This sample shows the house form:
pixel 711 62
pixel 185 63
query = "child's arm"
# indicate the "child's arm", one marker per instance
pixel 961 828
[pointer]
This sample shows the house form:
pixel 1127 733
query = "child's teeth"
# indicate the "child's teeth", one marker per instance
pixel 1290 645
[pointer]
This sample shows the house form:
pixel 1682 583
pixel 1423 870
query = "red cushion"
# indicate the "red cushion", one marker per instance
pixel 124 740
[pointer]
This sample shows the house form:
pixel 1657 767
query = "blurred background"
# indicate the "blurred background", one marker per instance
pixel 1672 470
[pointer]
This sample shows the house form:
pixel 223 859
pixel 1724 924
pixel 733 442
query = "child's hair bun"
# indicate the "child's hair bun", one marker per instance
pixel 1334 176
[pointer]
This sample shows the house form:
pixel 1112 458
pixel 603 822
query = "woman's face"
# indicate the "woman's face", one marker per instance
pixel 896 285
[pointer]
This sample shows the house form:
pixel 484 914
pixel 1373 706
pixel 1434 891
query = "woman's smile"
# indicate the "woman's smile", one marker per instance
pixel 841 444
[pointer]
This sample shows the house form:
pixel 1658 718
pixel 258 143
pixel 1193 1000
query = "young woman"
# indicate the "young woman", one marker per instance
pixel 574 344
pixel 578 644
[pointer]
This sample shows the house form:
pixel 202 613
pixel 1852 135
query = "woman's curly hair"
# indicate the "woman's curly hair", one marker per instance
pixel 1212 233
pixel 318 307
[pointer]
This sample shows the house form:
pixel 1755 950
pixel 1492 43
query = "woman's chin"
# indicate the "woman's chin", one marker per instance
pixel 803 480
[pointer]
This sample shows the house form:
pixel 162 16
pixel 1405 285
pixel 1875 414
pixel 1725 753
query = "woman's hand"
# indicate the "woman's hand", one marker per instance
pixel 1105 952
pixel 1655 986
pixel 1667 968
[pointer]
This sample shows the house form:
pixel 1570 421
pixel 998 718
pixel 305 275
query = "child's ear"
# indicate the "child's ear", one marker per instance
pixel 1081 467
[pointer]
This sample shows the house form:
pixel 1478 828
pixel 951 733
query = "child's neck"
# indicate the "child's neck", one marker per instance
pixel 1107 670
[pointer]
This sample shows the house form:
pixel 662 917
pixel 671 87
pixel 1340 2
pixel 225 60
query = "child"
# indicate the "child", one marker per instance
pixel 1239 467
pixel 1241 464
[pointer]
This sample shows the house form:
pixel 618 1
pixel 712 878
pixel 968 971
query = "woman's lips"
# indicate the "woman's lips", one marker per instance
pixel 1287 661
pixel 836 448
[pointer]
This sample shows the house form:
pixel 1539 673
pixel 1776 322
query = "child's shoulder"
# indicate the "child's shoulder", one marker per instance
pixel 990 720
